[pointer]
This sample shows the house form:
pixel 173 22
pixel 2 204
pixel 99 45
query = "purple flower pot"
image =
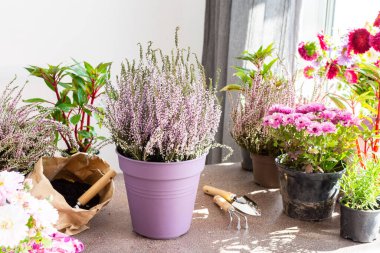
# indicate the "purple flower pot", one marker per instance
pixel 161 196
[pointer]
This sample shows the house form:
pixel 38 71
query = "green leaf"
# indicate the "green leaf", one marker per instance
pixel 85 134
pixel 35 100
pixel 231 87
pixel 75 119
pixel 337 102
pixel 65 107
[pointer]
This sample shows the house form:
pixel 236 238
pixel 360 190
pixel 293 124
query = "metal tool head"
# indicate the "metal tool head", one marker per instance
pixel 246 205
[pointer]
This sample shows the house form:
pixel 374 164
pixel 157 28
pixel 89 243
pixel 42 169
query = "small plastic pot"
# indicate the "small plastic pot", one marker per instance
pixel 246 163
pixel 359 225
pixel 265 172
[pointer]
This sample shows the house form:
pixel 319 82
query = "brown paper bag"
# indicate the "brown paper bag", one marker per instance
pixel 82 167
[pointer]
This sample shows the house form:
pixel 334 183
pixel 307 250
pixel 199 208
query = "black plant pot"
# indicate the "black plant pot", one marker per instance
pixel 308 196
pixel 246 164
pixel 359 225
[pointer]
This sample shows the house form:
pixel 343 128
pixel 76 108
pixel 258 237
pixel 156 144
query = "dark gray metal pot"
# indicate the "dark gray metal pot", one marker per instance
pixel 246 164
pixel 308 196
pixel 359 225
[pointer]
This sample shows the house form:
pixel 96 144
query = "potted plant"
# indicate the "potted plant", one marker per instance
pixel 163 116
pixel 76 89
pixel 260 88
pixel 27 223
pixel 25 135
pixel 315 142
pixel 360 203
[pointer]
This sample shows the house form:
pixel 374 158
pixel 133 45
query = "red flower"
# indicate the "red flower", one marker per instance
pixel 351 76
pixel 358 41
pixel 322 42
pixel 308 51
pixel 308 72
pixel 377 63
pixel 377 21
pixel 374 41
pixel 332 69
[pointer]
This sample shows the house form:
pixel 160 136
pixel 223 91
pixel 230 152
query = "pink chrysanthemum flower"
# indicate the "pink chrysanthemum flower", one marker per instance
pixel 328 127
pixel 332 69
pixel 322 41
pixel 377 21
pixel 308 51
pixel 314 128
pixel 302 122
pixel 351 76
pixel 276 108
pixel 374 41
pixel 328 114
pixel 288 119
pixel 312 107
pixel 358 41
pixel 308 72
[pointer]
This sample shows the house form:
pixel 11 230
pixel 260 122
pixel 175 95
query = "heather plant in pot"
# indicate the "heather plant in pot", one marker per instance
pixel 25 135
pixel 315 142
pixel 260 88
pixel 163 115
pixel 360 203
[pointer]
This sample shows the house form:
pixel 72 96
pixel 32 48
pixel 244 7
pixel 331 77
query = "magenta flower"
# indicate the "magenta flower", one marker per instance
pixel 351 76
pixel 328 127
pixel 332 69
pixel 302 122
pixel 276 108
pixel 308 51
pixel 374 41
pixel 328 114
pixel 358 41
pixel 312 107
pixel 308 72
pixel 322 41
pixel 314 128
pixel 288 119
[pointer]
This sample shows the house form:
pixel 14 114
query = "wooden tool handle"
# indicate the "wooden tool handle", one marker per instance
pixel 96 188
pixel 223 204
pixel 229 196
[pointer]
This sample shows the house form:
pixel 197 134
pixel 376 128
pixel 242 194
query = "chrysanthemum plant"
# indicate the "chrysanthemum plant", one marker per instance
pixel 25 135
pixel 27 223
pixel 313 138
pixel 260 87
pixel 75 88
pixel 163 109
pixel 353 63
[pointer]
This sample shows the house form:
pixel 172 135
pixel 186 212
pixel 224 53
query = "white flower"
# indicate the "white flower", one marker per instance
pixel 13 227
pixel 43 212
pixel 10 183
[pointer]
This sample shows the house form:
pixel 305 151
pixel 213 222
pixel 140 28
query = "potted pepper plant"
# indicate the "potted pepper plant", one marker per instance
pixel 260 88
pixel 315 142
pixel 163 115
pixel 360 203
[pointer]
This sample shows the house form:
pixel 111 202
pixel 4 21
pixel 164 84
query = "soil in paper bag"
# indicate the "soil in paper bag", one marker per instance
pixel 71 191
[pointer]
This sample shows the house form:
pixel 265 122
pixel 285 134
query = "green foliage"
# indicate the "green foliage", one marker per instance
pixel 74 101
pixel 361 186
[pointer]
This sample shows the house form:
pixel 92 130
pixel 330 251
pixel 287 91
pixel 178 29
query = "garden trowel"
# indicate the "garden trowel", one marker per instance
pixel 243 204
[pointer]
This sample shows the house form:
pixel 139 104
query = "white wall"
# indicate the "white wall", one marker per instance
pixel 39 32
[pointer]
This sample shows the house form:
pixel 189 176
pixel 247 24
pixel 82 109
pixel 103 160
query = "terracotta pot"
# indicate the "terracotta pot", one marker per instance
pixel 265 172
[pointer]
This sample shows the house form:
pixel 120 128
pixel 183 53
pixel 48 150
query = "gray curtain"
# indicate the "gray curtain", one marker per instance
pixel 234 26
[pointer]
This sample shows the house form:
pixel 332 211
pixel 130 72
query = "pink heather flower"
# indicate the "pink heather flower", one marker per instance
pixel 358 41
pixel 308 51
pixel 308 72
pixel 374 41
pixel 377 21
pixel 351 76
pixel 302 122
pixel 322 42
pixel 328 114
pixel 332 69
pixel 314 128
pixel 328 127
pixel 277 108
